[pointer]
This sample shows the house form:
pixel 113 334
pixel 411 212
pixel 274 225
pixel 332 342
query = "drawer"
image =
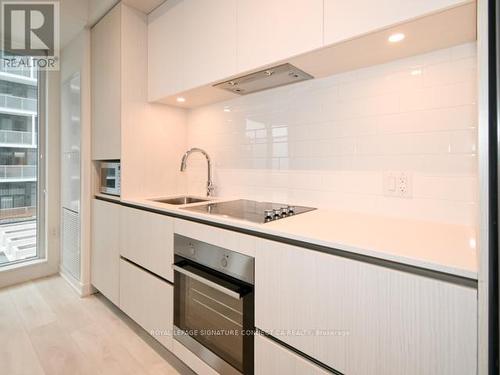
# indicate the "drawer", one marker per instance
pixel 148 300
pixel 147 239
pixel 273 358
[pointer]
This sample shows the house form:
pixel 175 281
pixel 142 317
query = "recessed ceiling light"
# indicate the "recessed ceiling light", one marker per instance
pixel 394 38
pixel 180 99
pixel 472 243
pixel 227 109
pixel 416 72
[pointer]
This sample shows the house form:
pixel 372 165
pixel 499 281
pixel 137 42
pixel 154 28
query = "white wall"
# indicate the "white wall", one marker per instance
pixel 153 135
pixel 328 142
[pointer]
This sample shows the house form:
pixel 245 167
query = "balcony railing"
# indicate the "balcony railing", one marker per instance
pixel 16 102
pixel 17 172
pixel 20 71
pixel 16 214
pixel 16 137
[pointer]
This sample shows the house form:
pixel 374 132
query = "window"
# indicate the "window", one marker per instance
pixel 21 179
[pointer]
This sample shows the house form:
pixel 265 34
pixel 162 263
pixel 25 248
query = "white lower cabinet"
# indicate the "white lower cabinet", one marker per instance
pixel 148 240
pixel 272 358
pixel 148 300
pixel 361 318
pixel 105 248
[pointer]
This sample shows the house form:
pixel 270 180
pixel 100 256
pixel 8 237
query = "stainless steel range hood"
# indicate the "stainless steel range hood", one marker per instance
pixel 265 79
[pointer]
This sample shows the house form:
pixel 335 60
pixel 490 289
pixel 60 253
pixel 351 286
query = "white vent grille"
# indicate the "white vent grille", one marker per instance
pixel 71 258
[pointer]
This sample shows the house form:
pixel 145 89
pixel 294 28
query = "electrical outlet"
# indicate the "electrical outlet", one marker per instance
pixel 398 184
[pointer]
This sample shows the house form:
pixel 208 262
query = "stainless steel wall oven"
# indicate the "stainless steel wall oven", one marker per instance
pixel 214 304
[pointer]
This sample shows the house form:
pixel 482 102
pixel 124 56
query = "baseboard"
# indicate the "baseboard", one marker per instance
pixel 81 289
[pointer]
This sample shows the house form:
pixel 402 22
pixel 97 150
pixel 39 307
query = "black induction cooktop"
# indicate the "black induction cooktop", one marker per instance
pixel 256 212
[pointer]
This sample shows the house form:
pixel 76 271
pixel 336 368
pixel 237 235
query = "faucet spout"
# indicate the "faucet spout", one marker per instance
pixel 210 186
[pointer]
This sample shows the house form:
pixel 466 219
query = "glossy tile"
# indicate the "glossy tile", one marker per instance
pixel 328 142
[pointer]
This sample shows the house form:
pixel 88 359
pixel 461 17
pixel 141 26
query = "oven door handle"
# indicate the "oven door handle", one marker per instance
pixel 220 288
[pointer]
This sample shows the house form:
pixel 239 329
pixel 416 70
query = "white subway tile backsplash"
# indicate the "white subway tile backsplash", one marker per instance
pixel 328 142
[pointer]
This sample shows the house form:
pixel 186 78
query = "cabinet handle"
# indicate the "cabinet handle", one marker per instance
pixel 209 283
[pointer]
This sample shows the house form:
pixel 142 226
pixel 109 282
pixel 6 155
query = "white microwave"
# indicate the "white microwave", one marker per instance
pixel 110 178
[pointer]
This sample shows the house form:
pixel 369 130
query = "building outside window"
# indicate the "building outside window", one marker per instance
pixel 19 154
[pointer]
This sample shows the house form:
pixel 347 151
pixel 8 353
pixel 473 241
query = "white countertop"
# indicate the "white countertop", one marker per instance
pixel 436 246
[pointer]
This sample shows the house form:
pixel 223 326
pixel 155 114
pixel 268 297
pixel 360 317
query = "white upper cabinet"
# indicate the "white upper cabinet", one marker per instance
pixel 274 30
pixel 210 35
pixel 348 19
pixel 191 43
pixel 165 50
pixel 106 88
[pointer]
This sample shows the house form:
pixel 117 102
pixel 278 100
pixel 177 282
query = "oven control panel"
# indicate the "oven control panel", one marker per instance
pixel 223 260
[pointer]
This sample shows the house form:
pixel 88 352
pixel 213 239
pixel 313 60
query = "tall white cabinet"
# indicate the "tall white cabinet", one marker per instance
pixel 106 86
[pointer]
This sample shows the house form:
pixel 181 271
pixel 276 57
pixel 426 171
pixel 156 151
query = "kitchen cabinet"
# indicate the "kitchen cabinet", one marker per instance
pixel 148 300
pixel 147 239
pixel 274 30
pixel 348 19
pixel 106 88
pixel 190 43
pixel 361 318
pixel 105 248
pixel 273 358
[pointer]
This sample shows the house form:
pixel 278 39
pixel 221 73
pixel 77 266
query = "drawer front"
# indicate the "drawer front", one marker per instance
pixel 147 239
pixel 360 318
pixel 148 300
pixel 272 358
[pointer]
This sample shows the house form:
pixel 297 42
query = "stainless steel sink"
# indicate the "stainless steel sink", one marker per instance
pixel 180 200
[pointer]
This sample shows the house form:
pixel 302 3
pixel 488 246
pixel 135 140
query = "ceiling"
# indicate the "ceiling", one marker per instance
pixel 76 14
pixel 145 6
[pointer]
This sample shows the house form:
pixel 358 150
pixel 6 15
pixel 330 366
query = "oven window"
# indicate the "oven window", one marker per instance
pixel 211 317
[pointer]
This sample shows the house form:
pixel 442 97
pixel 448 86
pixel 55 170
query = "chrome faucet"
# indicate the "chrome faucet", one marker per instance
pixel 210 185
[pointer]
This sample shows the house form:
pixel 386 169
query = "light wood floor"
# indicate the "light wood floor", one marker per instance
pixel 45 328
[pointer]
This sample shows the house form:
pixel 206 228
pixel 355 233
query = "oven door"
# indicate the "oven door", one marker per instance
pixel 214 317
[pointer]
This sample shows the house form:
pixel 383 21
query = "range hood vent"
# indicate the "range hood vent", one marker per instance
pixel 265 79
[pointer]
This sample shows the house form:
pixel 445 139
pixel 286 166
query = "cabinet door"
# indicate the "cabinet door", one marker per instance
pixel 191 43
pixel 348 19
pixel 166 71
pixel 210 41
pixel 148 240
pixel 148 300
pixel 360 318
pixel 105 254
pixel 106 93
pixel 273 30
pixel 272 358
